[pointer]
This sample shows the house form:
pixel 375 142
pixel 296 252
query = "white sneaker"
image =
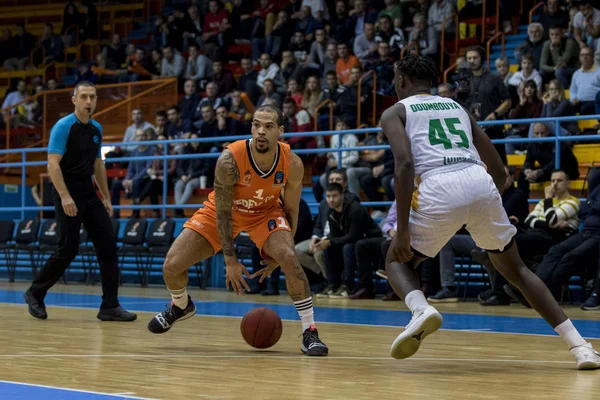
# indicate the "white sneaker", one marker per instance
pixel 586 356
pixel 420 326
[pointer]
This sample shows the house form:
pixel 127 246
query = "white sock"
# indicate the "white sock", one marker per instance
pixel 180 297
pixel 415 301
pixel 305 310
pixel 569 333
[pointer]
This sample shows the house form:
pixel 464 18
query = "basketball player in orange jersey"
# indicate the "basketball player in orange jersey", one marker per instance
pixel 249 178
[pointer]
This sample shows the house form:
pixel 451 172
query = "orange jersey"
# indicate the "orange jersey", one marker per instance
pixel 257 191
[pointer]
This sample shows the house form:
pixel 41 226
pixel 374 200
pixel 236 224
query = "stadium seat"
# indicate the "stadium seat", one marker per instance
pixel 133 244
pixel 26 237
pixel 158 241
pixel 7 229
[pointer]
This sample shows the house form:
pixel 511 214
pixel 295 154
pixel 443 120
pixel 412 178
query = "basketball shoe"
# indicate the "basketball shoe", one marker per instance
pixel 586 356
pixel 165 320
pixel 422 324
pixel 311 344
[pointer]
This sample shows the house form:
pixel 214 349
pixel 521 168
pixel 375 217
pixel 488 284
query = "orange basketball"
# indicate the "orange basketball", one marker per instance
pixel 261 327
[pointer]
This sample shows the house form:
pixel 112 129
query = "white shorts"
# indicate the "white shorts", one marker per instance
pixel 447 201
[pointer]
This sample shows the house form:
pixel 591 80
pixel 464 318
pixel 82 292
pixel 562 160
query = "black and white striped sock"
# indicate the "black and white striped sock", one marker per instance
pixel 305 310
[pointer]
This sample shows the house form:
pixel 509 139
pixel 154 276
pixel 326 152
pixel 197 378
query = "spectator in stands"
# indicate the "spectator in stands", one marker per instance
pixel 313 95
pixel 137 175
pixel 438 11
pixel 527 73
pixel 42 195
pixel 529 106
pixel 137 117
pixel 71 16
pixel 462 245
pixel 282 32
pixel 249 77
pixel 340 24
pixel 227 126
pixel 503 69
pixel 578 254
pixel 115 53
pixel 297 120
pixel 371 253
pixel 425 36
pixel 349 222
pixel 188 173
pixel 192 34
pixel 348 158
pixel 179 128
pixel 585 84
pixel 211 99
pixel 20 47
pixel 209 127
pixel 198 66
pixel 269 93
pixel 139 68
pixel 418 7
pixel 331 58
pixel 559 57
pixel 290 69
pixel 224 79
pixel 368 159
pixel 318 8
pixel 189 101
pixel 333 92
pixel 15 97
pixel 533 45
pixel 556 105
pixel 300 47
pixel 543 154
pixel 238 110
pixel 294 90
pixel 381 176
pixel 348 103
pixel 554 15
pixel 392 9
pixel 53 44
pixel 156 63
pixel 345 63
pixel 105 74
pixel 307 23
pixel 161 123
pixel 154 187
pixel 383 66
pixel 216 25
pixel 269 70
pixel 179 22
pixel 84 72
pixel 360 16
pixel 365 46
pixel 553 219
pixel 387 33
pixel 52 84
pixel 318 50
pixel 586 24
pixel 246 20
pixel 488 97
pixel 173 63
pixel 446 90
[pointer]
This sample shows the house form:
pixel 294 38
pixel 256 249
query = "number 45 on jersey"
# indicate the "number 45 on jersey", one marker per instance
pixel 437 133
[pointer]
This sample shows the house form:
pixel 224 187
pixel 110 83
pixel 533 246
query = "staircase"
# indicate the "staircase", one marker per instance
pixel 511 43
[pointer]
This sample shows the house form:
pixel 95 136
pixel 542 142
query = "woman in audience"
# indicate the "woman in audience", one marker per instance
pixel 530 106
pixel 294 90
pixel 557 105
pixel 313 95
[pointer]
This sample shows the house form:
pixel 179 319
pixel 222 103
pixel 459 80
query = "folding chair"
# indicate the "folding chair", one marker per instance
pixel 48 242
pixel 27 234
pixel 7 229
pixel 158 240
pixel 133 244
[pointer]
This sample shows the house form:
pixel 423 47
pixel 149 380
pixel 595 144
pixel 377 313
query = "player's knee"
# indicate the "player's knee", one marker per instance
pixel 287 259
pixel 171 264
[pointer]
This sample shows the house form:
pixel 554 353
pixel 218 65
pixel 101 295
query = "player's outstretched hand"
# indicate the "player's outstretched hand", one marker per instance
pixel 401 246
pixel 234 277
pixel 271 265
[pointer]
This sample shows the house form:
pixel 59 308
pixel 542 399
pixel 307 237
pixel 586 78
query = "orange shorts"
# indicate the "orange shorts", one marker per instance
pixel 259 226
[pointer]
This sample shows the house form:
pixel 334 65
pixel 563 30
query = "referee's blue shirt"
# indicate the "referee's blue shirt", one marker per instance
pixel 78 143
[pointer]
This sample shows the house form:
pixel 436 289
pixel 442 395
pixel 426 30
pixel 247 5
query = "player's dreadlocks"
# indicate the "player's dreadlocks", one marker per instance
pixel 417 67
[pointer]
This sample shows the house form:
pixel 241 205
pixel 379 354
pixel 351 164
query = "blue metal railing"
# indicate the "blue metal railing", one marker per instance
pixel 166 157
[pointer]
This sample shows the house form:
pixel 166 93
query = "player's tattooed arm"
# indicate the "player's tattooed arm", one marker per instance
pixel 226 176
pixel 293 192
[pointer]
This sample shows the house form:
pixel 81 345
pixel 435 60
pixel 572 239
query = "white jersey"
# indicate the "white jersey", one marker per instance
pixel 439 130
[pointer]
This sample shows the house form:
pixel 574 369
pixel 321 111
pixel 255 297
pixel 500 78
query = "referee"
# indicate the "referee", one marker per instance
pixel 73 157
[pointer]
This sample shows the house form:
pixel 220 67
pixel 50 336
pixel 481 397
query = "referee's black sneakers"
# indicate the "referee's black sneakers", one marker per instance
pixel 165 320
pixel 36 308
pixel 116 314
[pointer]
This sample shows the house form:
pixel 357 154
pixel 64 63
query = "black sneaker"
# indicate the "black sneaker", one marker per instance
pixel 311 344
pixel 165 320
pixel 328 291
pixel 116 314
pixel 483 296
pixel 445 295
pixel 593 303
pixel 36 307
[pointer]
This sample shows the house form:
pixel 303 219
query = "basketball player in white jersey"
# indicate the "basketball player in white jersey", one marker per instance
pixel 439 146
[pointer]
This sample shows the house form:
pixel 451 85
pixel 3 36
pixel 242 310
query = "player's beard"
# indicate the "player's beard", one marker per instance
pixel 262 150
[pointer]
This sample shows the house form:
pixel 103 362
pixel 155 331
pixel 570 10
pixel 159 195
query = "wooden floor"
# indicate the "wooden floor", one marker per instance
pixel 206 358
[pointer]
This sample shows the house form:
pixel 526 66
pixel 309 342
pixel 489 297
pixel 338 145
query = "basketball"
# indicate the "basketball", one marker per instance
pixel 261 327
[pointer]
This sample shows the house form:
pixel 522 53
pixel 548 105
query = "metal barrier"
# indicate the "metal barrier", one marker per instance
pixel 23 164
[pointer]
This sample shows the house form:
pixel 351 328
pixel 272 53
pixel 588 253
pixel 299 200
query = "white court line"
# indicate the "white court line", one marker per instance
pixel 76 390
pixel 475 330
pixel 267 356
